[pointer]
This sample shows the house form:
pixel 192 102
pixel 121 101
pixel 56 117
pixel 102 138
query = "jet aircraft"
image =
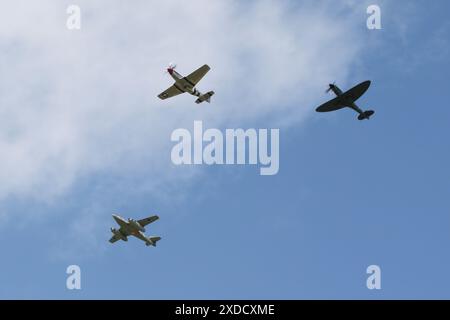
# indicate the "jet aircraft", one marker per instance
pixel 135 228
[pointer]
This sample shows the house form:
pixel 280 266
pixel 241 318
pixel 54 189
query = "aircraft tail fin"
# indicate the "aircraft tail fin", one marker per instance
pixel 205 97
pixel 152 241
pixel 366 115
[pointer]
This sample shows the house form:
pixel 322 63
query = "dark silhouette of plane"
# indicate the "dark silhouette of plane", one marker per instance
pixel 347 99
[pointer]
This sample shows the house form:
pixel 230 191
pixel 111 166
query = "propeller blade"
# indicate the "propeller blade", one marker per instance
pixel 171 67
pixel 330 86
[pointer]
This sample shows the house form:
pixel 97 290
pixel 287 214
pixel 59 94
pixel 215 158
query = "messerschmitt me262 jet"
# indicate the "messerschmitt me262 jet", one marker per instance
pixel 187 84
pixel 135 228
pixel 347 99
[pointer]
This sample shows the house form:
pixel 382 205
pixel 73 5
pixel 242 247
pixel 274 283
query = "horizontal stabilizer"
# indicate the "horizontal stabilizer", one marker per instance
pixel 366 115
pixel 205 97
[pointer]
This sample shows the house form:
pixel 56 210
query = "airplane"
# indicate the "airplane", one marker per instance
pixel 187 84
pixel 347 99
pixel 133 228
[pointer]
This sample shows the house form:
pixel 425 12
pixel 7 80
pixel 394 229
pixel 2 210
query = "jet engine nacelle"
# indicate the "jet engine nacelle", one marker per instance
pixel 136 224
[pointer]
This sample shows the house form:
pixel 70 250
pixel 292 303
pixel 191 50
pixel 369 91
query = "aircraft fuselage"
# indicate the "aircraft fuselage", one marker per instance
pixel 351 104
pixel 129 227
pixel 183 84
pixel 336 90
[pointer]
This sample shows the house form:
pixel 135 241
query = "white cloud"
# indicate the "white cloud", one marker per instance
pixel 77 103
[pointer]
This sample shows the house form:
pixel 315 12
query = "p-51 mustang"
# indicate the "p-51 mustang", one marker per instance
pixel 347 99
pixel 187 84
pixel 133 228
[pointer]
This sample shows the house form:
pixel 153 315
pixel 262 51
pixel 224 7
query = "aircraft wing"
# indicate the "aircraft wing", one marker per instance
pixel 114 238
pixel 356 92
pixel 197 75
pixel 171 92
pixel 332 105
pixel 146 221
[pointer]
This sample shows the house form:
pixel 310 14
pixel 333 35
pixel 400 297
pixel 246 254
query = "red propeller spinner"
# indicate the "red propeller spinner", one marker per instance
pixel 171 68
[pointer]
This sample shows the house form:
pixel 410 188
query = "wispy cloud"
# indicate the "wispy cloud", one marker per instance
pixel 76 105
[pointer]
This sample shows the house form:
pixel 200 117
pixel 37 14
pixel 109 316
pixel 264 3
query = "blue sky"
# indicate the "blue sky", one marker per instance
pixel 349 194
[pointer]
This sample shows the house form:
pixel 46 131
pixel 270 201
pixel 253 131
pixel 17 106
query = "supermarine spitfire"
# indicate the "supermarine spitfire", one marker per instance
pixel 347 99
pixel 187 84
pixel 133 228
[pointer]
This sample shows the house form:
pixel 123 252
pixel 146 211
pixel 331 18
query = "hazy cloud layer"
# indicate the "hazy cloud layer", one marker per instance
pixel 77 103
